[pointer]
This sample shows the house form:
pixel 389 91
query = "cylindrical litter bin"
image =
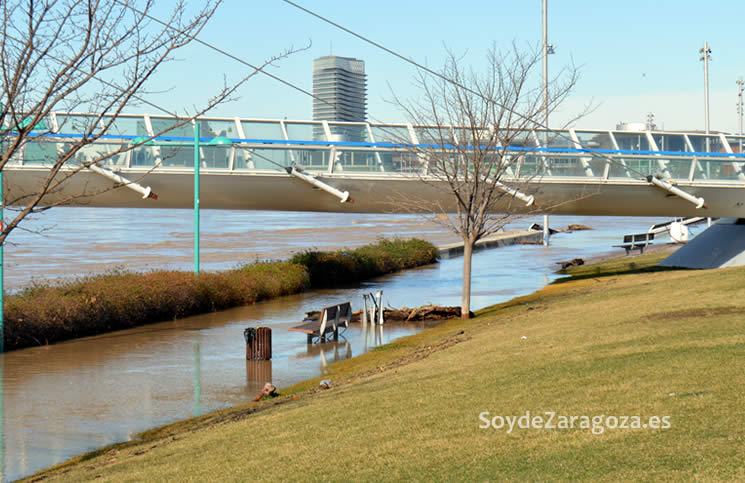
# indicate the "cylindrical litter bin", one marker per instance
pixel 258 343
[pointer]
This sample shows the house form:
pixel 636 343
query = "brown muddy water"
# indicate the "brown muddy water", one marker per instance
pixel 62 400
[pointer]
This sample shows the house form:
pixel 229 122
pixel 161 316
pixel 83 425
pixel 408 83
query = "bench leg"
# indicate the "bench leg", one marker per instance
pixel 310 339
pixel 627 251
pixel 336 333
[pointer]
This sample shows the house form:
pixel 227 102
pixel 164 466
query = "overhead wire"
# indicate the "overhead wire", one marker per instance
pixel 449 80
pixel 223 52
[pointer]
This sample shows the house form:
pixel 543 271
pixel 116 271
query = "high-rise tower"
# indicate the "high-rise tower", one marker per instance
pixel 340 90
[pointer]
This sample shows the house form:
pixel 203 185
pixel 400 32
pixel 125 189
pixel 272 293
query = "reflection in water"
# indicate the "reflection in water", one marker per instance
pixel 341 350
pixel 258 373
pixel 197 379
pixel 375 333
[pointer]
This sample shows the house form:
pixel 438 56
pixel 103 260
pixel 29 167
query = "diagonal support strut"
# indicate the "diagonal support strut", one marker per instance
pixel 667 186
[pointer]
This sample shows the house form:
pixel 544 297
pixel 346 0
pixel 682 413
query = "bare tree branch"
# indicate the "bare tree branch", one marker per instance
pixel 94 56
pixel 465 121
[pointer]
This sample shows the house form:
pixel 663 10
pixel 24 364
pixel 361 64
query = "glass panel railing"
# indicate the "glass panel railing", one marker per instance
pixel 594 140
pixel 632 141
pixel 126 126
pixel 640 167
pixel 569 166
pixel 216 128
pixel 104 153
pixel 348 132
pixel 370 161
pixel 166 127
pixel 142 156
pixel 216 157
pixel 703 143
pixel 302 131
pixel 40 153
pixel 311 160
pixel 679 168
pixel 391 134
pixel 670 142
pixel 721 169
pixel 434 136
pixel 262 130
pixel 619 168
pixel 531 165
pixel 737 144
pixel 263 158
pixel 176 155
pixel 77 124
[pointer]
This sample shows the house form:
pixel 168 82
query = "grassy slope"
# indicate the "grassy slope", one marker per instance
pixel 614 345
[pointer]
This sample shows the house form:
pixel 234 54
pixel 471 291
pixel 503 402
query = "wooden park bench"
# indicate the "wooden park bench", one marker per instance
pixel 331 319
pixel 640 241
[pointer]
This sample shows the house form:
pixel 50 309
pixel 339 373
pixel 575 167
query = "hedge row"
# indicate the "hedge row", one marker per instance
pixel 45 314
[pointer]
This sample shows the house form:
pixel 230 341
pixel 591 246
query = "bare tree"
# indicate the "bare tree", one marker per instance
pixel 93 56
pixel 476 139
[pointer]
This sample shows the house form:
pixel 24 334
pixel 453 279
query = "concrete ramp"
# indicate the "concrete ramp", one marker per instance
pixel 721 245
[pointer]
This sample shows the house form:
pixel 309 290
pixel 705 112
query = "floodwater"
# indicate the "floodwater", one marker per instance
pixel 62 400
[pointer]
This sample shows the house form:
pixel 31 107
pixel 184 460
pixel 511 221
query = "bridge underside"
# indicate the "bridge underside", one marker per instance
pixel 377 193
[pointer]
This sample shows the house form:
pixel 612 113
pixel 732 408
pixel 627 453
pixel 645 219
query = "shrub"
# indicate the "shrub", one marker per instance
pixel 328 269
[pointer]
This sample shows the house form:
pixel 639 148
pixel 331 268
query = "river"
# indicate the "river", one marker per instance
pixel 62 400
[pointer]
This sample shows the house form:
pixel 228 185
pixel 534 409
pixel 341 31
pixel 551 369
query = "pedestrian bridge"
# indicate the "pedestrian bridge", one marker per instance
pixel 255 164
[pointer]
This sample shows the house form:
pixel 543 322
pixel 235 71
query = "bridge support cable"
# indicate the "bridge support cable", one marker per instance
pixel 299 174
pixel 145 191
pixel 667 186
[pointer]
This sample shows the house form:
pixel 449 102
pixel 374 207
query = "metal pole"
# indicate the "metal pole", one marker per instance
pixel 545 101
pixel 545 64
pixel 196 197
pixel 740 90
pixel 705 51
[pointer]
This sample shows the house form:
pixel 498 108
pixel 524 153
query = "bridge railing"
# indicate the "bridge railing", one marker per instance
pixel 237 145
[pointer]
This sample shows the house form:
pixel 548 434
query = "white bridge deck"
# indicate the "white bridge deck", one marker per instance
pixel 247 164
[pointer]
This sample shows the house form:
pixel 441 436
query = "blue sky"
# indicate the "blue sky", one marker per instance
pixel 635 56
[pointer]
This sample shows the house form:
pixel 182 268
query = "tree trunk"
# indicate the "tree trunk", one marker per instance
pixel 465 306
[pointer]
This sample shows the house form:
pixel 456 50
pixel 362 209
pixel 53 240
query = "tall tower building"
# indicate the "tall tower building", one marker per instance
pixel 340 90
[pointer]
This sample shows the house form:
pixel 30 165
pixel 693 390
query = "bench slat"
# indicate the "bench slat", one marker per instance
pixel 331 318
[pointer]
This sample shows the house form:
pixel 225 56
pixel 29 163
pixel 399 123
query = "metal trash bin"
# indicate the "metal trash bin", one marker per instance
pixel 258 343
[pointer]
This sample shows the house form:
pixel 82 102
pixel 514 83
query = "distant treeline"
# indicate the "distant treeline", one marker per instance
pixel 48 313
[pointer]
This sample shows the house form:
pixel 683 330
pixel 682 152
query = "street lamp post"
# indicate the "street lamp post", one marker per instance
pixel 705 52
pixel 547 49
pixel 740 90
pixel 196 196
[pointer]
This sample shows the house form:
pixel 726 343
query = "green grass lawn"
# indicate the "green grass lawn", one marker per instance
pixel 616 341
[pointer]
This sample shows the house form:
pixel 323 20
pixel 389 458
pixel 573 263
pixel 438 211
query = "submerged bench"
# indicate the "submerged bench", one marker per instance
pixel 640 241
pixel 331 319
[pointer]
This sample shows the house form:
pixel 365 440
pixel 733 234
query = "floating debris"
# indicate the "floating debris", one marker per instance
pixel 268 391
pixel 576 262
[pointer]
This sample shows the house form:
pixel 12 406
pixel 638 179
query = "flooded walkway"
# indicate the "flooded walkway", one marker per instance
pixel 62 400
